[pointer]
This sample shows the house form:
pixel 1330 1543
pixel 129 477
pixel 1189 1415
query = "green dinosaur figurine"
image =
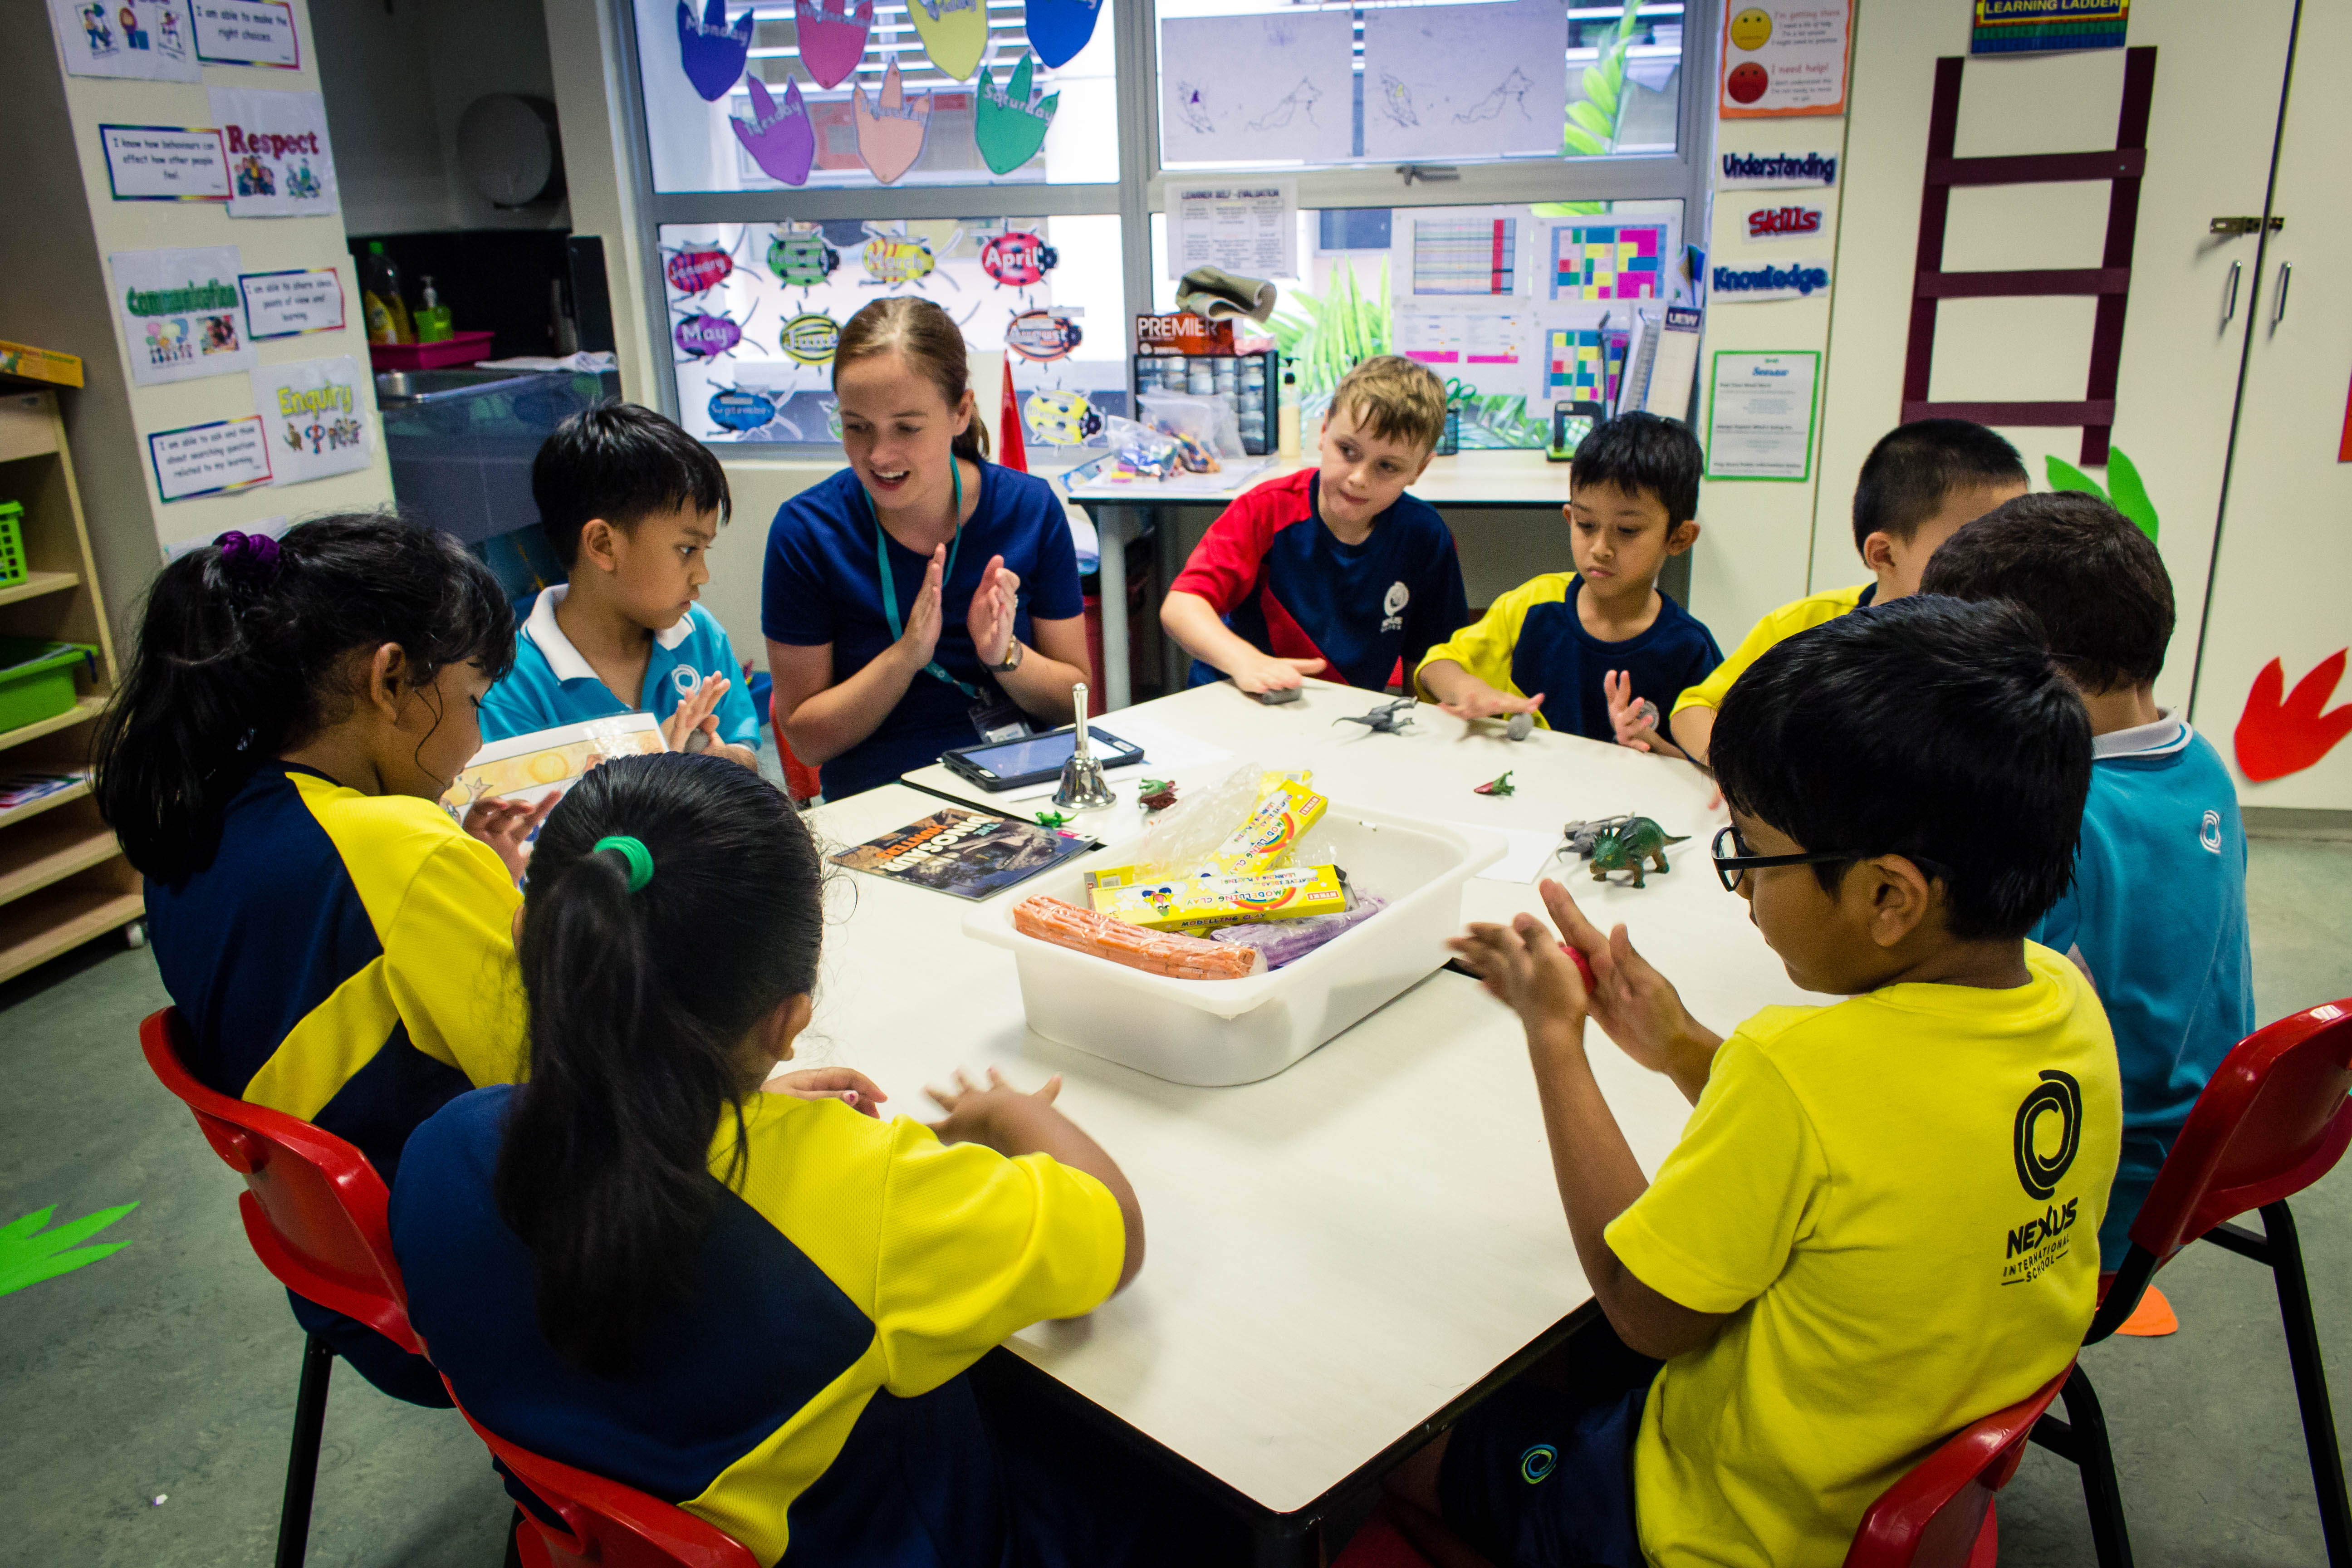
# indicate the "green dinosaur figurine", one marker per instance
pixel 1625 848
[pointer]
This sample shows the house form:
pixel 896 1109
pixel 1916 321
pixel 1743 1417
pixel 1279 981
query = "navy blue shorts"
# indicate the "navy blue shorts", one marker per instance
pixel 1534 1480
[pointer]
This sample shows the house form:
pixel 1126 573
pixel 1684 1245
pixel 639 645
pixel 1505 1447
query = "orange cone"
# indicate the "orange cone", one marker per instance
pixel 2152 1319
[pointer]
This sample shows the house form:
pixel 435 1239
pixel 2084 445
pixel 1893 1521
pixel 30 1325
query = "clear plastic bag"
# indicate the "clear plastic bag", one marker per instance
pixel 1140 449
pixel 1181 838
pixel 1208 419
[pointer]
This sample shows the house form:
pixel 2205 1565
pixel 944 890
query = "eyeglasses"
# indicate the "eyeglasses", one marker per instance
pixel 1735 864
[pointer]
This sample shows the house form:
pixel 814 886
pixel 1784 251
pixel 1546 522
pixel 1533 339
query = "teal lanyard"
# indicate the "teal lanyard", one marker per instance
pixel 890 588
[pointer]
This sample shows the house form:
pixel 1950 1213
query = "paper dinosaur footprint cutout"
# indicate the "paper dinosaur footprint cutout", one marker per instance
pixel 832 37
pixel 1058 30
pixel 779 137
pixel 712 52
pixel 954 32
pixel 27 1257
pixel 1009 123
pixel 890 132
pixel 2277 738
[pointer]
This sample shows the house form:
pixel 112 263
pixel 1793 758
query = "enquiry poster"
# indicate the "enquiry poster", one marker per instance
pixel 316 422
pixel 281 164
pixel 181 315
pixel 149 40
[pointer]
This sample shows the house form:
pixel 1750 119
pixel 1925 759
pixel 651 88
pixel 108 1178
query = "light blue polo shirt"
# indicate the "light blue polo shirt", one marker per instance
pixel 2157 915
pixel 552 684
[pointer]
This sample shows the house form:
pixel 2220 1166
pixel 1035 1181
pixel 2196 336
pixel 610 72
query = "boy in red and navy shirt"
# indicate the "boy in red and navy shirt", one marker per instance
pixel 1333 568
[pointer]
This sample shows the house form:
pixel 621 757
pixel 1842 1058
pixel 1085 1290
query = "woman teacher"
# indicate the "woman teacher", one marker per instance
pixel 923 597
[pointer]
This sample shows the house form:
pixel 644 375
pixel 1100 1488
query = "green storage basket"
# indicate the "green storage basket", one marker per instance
pixel 37 678
pixel 11 544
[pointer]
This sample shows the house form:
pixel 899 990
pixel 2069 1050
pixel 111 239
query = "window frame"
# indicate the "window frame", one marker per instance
pixel 1682 175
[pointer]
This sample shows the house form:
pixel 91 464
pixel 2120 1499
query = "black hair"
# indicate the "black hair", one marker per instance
pixel 242 654
pixel 1906 479
pixel 2085 571
pixel 639 1005
pixel 621 462
pixel 1927 727
pixel 1637 452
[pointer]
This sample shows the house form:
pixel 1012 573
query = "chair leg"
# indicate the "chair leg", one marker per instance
pixel 2100 1495
pixel 2310 1382
pixel 303 1462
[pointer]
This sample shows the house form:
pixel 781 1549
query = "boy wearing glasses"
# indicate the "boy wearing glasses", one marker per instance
pixel 1882 1221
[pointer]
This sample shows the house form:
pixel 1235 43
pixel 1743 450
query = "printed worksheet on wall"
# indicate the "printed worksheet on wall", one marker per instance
pixel 1259 89
pixel 1465 82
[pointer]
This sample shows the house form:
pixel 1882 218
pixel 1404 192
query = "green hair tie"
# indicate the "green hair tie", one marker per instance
pixel 633 850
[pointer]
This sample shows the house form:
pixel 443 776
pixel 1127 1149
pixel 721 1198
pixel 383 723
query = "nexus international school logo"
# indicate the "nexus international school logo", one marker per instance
pixel 2034 1245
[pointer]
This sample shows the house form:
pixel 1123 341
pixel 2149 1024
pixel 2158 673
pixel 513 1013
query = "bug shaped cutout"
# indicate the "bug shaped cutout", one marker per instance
pixel 893 256
pixel 832 37
pixel 801 258
pixel 1009 123
pixel 692 272
pixel 954 33
pixel 1018 260
pixel 712 52
pixel 1042 335
pixel 781 137
pixel 1058 30
pixel 1060 418
pixel 706 336
pixel 891 129
pixel 741 408
pixel 810 337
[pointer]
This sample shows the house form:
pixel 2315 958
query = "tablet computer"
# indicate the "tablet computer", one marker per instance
pixel 1034 759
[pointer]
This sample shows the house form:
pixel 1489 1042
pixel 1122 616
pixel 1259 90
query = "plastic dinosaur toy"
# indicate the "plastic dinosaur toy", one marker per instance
pixel 1625 848
pixel 1051 818
pixel 1157 795
pixel 1389 719
pixel 1502 786
pixel 1582 836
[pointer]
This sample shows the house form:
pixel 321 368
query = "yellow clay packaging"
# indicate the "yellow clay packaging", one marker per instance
pixel 1268 834
pixel 1199 903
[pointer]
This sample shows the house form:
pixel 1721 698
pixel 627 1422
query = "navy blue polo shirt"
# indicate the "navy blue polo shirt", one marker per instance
pixel 1286 584
pixel 820 588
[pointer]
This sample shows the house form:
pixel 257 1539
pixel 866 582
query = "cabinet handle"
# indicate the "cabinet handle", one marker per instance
pixel 2229 306
pixel 2278 312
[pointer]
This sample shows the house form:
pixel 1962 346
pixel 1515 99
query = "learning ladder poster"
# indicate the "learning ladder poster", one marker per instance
pixel 280 162
pixel 1276 88
pixel 316 425
pixel 147 40
pixel 182 318
pixel 2043 26
pixel 1784 58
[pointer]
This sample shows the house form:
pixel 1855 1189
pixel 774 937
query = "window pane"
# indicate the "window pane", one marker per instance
pixel 1515 306
pixel 1258 83
pixel 709 131
pixel 754 309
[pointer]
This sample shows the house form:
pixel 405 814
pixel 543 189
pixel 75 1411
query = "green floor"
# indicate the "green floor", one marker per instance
pixel 167 1370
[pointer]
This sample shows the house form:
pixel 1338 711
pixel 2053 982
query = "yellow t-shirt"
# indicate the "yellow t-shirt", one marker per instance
pixel 1797 615
pixel 1897 1199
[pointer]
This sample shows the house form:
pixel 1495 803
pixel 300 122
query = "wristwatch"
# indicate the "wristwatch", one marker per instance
pixel 1012 654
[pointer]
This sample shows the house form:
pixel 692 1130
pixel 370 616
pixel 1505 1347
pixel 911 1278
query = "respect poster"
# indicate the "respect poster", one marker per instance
pixel 312 409
pixel 280 162
pixel 182 318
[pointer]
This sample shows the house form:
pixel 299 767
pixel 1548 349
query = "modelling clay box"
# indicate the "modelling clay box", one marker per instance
pixel 1216 1032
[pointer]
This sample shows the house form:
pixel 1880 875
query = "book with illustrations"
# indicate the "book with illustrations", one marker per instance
pixel 967 853
pixel 550 762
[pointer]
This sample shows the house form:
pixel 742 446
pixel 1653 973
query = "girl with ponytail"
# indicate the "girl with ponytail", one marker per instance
pixel 745 1293
pixel 340 949
pixel 920 598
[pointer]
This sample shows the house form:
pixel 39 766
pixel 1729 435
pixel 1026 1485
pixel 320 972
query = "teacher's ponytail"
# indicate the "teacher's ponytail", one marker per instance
pixel 927 338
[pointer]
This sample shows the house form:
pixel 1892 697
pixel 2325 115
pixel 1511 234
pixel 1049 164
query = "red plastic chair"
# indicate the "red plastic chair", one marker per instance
pixel 1941 1515
pixel 800 781
pixel 602 1521
pixel 314 1211
pixel 2272 1121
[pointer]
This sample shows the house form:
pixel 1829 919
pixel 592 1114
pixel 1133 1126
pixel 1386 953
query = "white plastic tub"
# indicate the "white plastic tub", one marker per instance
pixel 1218 1032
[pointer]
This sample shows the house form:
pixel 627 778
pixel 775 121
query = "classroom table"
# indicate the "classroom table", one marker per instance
pixel 1341 1255
pixel 1496 479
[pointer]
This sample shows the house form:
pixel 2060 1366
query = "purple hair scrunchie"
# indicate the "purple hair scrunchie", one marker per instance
pixel 252 559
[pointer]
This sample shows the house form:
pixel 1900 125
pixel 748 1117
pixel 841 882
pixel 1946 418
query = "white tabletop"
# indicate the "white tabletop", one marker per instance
pixel 1466 479
pixel 1337 1252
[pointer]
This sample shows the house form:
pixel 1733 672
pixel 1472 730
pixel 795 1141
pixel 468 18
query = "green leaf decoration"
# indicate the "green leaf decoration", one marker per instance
pixel 1577 141
pixel 1570 209
pixel 2129 496
pixel 27 1256
pixel 2065 475
pixel 1596 123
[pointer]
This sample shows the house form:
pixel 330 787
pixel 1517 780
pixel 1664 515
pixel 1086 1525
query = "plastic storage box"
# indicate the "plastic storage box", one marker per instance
pixel 37 678
pixel 1218 1032
pixel 459 348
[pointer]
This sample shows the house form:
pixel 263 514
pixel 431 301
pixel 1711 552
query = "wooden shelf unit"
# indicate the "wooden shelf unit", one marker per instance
pixel 63 879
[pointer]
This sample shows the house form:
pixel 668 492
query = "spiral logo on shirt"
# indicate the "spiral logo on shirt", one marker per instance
pixel 2210 832
pixel 1392 605
pixel 685 680
pixel 2058 1094
pixel 1537 1462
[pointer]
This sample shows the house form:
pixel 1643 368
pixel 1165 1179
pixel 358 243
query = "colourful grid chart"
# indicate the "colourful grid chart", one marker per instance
pixel 1582 364
pixel 1465 256
pixel 1608 261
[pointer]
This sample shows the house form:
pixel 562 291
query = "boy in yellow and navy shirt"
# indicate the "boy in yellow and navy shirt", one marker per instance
pixel 1918 487
pixel 1882 1221
pixel 1575 648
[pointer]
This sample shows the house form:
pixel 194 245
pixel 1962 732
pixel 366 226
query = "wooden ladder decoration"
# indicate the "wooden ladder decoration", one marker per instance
pixel 2110 281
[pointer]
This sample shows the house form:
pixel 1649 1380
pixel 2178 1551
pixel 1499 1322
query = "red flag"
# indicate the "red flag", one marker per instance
pixel 1016 454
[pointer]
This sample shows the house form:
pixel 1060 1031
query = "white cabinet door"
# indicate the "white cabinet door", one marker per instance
pixel 2285 563
pixel 2213 119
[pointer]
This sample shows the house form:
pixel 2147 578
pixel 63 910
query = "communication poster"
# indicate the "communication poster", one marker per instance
pixel 181 315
